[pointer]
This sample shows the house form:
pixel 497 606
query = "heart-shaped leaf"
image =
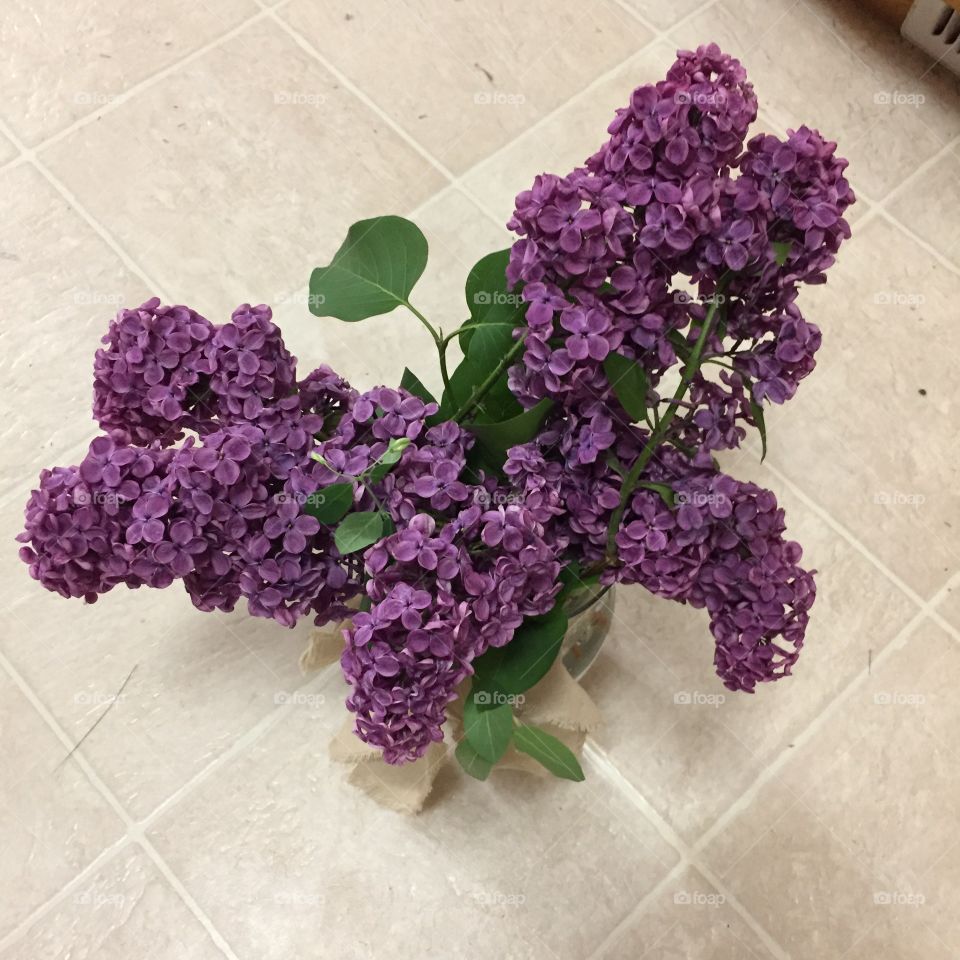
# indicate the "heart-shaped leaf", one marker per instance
pixel 358 530
pixel 373 272
pixel 548 751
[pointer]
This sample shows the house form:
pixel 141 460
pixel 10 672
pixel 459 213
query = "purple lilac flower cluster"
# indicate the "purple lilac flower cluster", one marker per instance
pixel 680 245
pixel 676 219
pixel 437 604
pixel 223 512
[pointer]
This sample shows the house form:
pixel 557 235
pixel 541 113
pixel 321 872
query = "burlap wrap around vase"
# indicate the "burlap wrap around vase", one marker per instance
pixel 558 704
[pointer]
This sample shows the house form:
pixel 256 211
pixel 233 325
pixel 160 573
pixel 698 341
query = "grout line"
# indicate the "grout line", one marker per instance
pixel 131 92
pixel 688 855
pixel 611 938
pixel 263 726
pixel 101 231
pixel 187 898
pixel 363 97
pixel 97 863
pixel 916 238
pixel 64 739
pixel 134 829
pixel 784 757
pixel 924 604
pixel 920 170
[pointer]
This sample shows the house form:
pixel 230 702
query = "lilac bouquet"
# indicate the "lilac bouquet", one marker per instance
pixel 642 320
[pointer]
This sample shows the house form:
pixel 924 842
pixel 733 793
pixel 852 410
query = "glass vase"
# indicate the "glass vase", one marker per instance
pixel 590 613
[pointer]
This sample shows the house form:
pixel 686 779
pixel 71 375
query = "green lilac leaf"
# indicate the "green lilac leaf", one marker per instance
pixel 358 530
pixel 548 751
pixel 329 504
pixel 487 730
pixel 372 273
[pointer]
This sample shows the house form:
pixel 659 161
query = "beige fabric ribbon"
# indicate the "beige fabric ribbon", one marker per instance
pixel 557 703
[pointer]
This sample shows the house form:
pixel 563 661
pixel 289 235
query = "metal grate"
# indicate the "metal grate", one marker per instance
pixel 934 26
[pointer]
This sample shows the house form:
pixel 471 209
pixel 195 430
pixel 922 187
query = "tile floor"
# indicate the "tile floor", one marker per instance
pixel 213 153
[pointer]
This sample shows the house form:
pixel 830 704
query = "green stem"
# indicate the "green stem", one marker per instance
pixel 437 339
pixel 721 363
pixel 656 437
pixel 442 350
pixel 459 330
pixel 480 392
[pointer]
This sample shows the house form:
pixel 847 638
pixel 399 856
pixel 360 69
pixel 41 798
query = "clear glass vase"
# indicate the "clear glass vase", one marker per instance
pixel 590 613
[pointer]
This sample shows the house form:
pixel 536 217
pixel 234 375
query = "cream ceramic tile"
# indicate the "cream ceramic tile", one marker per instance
pixel 860 826
pixel 465 79
pixel 865 90
pixel 52 820
pixel 664 15
pixel 376 350
pixel 567 138
pixel 690 745
pixel 277 846
pixel 199 680
pixel 689 919
pixel 126 909
pixel 870 434
pixel 927 210
pixel 7 150
pixel 230 182
pixel 63 63
pixel 896 933
pixel 60 285
pixel 949 606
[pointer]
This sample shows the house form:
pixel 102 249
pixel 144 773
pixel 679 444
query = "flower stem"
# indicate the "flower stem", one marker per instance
pixel 440 342
pixel 481 391
pixel 657 436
